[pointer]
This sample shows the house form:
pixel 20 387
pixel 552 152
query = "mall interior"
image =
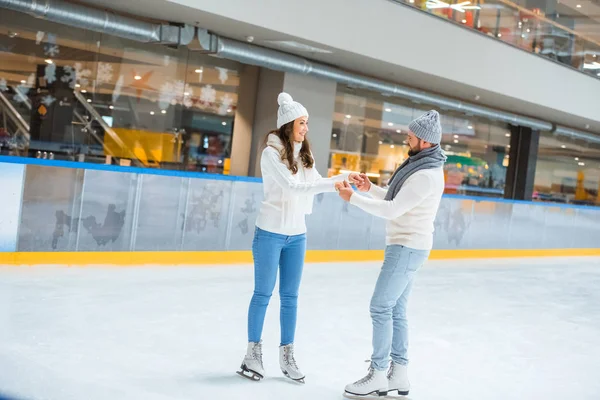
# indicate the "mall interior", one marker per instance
pixel 127 127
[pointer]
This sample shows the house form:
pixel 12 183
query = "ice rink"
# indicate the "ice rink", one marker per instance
pixel 480 330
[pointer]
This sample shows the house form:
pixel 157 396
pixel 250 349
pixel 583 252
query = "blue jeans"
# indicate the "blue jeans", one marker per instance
pixel 271 252
pixel 388 304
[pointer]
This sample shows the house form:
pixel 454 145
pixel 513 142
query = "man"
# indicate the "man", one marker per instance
pixel 410 205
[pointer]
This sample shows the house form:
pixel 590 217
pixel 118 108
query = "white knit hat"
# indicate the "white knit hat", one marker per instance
pixel 289 110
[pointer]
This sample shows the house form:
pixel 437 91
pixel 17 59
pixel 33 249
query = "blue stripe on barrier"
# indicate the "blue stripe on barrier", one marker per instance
pixel 130 170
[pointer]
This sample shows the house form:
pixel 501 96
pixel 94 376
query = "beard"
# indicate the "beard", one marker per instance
pixel 414 151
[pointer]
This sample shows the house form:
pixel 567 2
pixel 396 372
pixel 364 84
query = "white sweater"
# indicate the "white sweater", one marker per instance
pixel 288 198
pixel 411 213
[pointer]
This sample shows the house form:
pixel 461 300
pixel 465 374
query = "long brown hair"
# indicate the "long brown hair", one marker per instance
pixel 286 135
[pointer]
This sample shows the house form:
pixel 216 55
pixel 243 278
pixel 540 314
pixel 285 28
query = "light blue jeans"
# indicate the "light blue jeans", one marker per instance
pixel 388 305
pixel 271 252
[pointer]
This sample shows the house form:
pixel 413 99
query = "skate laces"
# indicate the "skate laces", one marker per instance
pixel 390 373
pixel 288 352
pixel 367 378
pixel 257 352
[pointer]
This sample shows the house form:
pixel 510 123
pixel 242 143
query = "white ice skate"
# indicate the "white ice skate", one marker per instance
pixel 375 383
pixel 288 363
pixel 398 379
pixel 252 366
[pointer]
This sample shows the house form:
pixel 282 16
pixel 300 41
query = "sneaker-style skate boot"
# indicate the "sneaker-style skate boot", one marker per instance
pixel 252 366
pixel 288 363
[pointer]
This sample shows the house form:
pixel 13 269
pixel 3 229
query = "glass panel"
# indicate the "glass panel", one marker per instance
pixel 72 94
pixel 567 170
pixel 369 135
pixel 51 209
pixel 567 32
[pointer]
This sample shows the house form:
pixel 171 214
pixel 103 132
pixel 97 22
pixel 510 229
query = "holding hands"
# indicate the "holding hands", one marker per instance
pixel 361 181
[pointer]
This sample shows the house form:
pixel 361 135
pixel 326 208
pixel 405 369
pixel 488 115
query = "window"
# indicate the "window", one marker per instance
pixel 369 135
pixel 567 170
pixel 77 95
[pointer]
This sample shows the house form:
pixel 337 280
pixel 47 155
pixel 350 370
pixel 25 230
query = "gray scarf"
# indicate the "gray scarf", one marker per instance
pixel 432 157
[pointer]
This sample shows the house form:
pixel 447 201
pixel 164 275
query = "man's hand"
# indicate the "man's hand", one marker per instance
pixel 345 191
pixel 361 181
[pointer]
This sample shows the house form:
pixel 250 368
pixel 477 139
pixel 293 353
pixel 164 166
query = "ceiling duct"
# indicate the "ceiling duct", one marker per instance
pixel 102 21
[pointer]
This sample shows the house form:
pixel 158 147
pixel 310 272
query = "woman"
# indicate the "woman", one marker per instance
pixel 290 181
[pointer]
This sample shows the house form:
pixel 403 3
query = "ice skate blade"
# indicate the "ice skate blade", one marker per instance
pixel 299 380
pixel 391 395
pixel 248 374
pixel 375 394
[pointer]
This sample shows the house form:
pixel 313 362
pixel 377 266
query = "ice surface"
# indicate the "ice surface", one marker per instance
pixel 480 330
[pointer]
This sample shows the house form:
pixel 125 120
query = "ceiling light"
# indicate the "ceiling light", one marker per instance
pixel 77 85
pixel 507 134
pixel 23 81
pixel 563 146
pixel 335 135
pixel 199 71
pixel 388 110
pixel 89 100
pixel 151 112
pixel 528 30
pixel 460 7
pixel 229 110
pixel 111 107
pixel 499 35
pixel 576 158
pixel 392 146
pixel 469 127
pixel 455 141
pixel 164 111
pixel 380 142
pixel 224 123
pixel 137 77
pixel 220 161
pixel 348 116
pixel 84 91
pixel 578 6
pixel 411 1
pixel 464 21
pixel 48 61
pixel 581 164
pixel 398 131
pixel 390 124
pixel 455 136
pixel 186 93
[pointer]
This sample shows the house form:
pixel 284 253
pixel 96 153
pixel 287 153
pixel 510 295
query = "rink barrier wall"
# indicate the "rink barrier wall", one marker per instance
pixel 73 213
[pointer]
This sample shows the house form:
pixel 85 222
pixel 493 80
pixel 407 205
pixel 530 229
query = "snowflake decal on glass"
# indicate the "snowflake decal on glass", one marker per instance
pixel 105 73
pixel 167 95
pixel 76 75
pixel 208 95
pixel 23 89
pixel 39 37
pixel 223 74
pixel 118 86
pixel 173 93
pixel 51 48
pixel 3 85
pixel 50 74
pixel 48 100
pixel 226 102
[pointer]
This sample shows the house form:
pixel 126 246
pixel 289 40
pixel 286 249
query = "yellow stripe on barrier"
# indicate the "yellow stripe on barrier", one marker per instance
pixel 167 258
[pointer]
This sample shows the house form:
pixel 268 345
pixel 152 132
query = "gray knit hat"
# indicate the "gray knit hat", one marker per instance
pixel 427 127
pixel 289 110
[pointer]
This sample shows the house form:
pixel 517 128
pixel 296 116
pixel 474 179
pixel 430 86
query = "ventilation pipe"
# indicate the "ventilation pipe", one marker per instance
pixel 272 59
pixel 102 21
